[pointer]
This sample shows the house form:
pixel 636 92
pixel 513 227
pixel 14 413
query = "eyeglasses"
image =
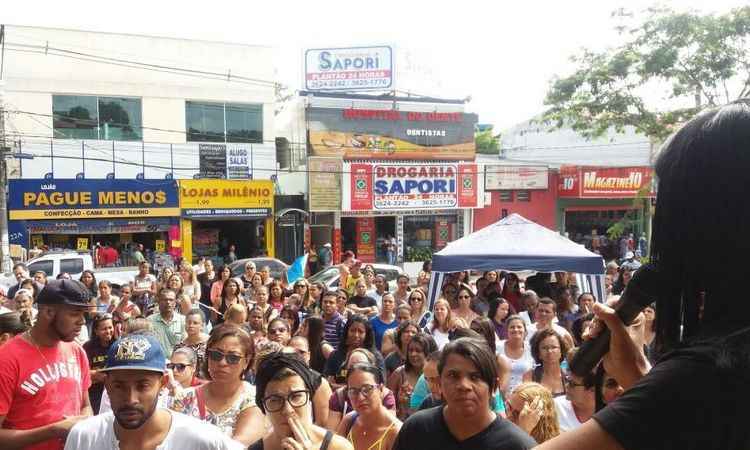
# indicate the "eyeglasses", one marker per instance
pixel 572 383
pixel 416 299
pixel 102 316
pixel 177 366
pixel 550 349
pixel 296 399
pixel 217 356
pixel 365 390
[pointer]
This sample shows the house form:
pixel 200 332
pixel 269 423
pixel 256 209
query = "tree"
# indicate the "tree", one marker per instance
pixel 486 142
pixel 695 60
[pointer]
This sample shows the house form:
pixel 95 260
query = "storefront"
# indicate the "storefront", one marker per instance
pixel 423 205
pixel 391 176
pixel 218 213
pixel 591 200
pixel 79 214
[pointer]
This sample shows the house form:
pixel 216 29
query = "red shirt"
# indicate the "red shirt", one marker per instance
pixel 38 390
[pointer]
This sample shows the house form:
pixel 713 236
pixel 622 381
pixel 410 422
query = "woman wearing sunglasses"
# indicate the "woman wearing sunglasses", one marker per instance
pixel 420 313
pixel 464 298
pixel 371 426
pixel 285 386
pixel 181 370
pixel 226 400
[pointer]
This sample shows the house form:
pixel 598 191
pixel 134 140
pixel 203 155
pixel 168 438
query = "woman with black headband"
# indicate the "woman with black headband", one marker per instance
pixel 284 386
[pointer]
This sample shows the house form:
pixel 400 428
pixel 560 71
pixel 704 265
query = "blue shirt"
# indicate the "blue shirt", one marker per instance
pixel 380 327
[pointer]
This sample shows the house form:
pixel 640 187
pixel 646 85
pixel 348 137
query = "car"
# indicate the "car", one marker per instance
pixel 277 266
pixel 330 276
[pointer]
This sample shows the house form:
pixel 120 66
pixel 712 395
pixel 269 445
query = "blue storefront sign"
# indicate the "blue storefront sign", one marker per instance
pixel 68 206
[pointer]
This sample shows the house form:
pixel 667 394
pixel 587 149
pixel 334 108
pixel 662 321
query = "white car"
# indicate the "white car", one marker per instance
pixel 330 276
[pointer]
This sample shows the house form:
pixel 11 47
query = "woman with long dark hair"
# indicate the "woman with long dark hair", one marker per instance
pixel 230 295
pixel 404 378
pixel 404 333
pixel 512 291
pixel 276 295
pixel 500 310
pixel 357 333
pixel 313 328
pixel 463 311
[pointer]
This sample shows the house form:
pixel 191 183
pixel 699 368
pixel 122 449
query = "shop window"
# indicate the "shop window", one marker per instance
pixel 506 196
pixel 91 117
pixel 220 122
pixel 72 265
pixel 523 196
pixel 44 266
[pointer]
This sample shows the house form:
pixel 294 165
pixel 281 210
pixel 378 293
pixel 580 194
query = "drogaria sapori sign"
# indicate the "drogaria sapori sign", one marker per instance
pixel 391 187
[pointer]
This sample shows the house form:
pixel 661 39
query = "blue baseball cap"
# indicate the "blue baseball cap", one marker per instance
pixel 136 352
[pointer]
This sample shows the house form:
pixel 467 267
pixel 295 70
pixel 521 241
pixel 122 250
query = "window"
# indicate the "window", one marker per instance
pixel 523 196
pixel 223 122
pixel 506 196
pixel 44 266
pixel 90 117
pixel 72 266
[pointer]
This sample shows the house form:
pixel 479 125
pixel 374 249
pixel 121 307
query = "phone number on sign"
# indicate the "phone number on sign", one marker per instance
pixel 414 203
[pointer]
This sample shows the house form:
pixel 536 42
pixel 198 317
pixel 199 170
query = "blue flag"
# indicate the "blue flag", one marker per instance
pixel 297 270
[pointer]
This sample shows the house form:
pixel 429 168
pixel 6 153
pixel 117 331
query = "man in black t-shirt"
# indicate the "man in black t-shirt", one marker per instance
pixel 468 377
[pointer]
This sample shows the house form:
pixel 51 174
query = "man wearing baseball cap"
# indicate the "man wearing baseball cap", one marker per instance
pixel 135 374
pixel 44 374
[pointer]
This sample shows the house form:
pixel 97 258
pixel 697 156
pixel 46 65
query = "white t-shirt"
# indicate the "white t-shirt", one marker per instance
pixel 519 366
pixel 566 416
pixel 441 338
pixel 531 329
pixel 98 433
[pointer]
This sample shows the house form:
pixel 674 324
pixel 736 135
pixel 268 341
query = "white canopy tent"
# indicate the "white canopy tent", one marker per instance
pixel 515 244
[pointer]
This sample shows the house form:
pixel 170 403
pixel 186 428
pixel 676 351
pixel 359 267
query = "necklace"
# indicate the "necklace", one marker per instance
pixel 31 340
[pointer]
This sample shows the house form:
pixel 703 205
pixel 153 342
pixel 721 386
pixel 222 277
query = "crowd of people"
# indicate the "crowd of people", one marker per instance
pixel 375 367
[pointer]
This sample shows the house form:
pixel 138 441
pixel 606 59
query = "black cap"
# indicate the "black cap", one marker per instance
pixel 64 292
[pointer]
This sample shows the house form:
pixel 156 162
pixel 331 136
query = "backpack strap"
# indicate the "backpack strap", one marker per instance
pixel 201 400
pixel 326 440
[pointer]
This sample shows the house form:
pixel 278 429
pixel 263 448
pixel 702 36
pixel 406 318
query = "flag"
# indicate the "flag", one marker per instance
pixel 297 270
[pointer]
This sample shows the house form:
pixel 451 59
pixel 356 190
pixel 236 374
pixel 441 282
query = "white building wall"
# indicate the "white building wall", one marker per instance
pixel 38 63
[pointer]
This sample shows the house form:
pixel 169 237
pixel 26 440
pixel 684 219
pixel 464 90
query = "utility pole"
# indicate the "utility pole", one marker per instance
pixel 5 261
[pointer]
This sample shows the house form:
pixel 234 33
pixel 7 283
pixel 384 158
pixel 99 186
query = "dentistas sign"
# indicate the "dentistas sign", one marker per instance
pixel 411 186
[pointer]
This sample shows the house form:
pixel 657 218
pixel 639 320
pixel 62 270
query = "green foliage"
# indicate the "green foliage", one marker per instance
pixel 417 254
pixel 486 142
pixel 703 60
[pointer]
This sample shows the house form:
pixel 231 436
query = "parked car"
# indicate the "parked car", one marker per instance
pixel 278 267
pixel 74 263
pixel 330 276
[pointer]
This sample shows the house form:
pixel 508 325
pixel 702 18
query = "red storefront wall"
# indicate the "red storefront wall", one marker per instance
pixel 541 208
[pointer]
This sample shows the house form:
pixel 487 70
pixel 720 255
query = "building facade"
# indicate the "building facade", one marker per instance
pixel 118 114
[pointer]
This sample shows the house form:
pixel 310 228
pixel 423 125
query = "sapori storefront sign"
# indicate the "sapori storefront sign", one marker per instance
pixel 207 198
pixel 91 199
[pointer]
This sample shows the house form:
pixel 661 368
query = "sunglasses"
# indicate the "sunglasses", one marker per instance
pixel 177 366
pixel 217 356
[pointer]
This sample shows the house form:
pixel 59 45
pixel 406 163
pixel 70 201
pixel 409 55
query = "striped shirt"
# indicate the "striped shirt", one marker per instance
pixel 332 329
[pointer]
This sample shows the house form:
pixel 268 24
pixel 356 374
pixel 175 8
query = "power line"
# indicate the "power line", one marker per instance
pixel 47 50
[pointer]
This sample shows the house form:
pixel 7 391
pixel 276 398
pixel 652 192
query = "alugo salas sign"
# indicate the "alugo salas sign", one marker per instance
pixel 411 186
pixel 598 182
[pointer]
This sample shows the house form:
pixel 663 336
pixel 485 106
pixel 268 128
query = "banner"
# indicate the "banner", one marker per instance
pixel 357 68
pixel 610 182
pixel 361 186
pixel 497 177
pixel 442 233
pixel 391 134
pixel 410 187
pixel 91 199
pixel 467 186
pixel 231 161
pixel 324 191
pixel 207 198
pixel 365 238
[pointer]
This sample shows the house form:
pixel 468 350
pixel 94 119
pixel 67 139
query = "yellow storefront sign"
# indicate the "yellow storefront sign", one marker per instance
pixel 161 245
pixel 92 213
pixel 197 194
